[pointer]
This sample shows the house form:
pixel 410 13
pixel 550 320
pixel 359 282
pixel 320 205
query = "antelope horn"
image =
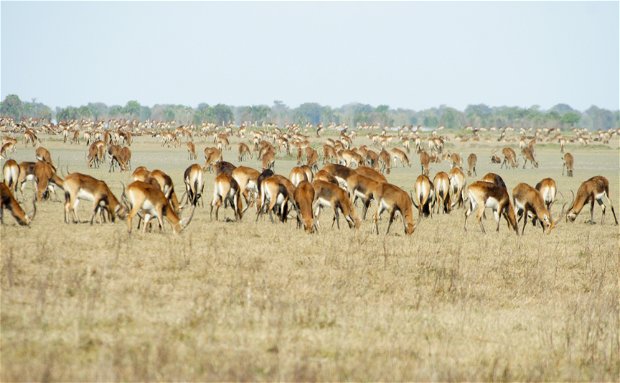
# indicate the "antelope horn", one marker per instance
pixel 182 204
pixel 184 222
pixel 413 200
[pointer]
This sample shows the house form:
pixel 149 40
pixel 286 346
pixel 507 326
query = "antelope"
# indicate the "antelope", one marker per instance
pixel 11 170
pixel 593 189
pixel 298 175
pixel 191 150
pixel 149 199
pixel 226 191
pixel 141 173
pixel 247 179
pixel 244 151
pixel 268 160
pixel 8 201
pixel 212 155
pixel 370 173
pixel 425 193
pixel 275 191
pixel 495 159
pixel 96 154
pixel 442 191
pixel 528 200
pixel 329 153
pixel 328 194
pixel 304 197
pixel 528 155
pixel 41 173
pixel 79 186
pixel 120 156
pixel 394 199
pixel 486 194
pixel 30 137
pixel 400 155
pixel 510 157
pixel 569 162
pixel 472 159
pixel 547 189
pixel 224 167
pixel 455 160
pixel 385 161
pixel 340 172
pixel 44 155
pixel 194 183
pixel 167 187
pixel 312 159
pixel 562 142
pixel 324 175
pixel 457 184
pixel 363 188
pixel 6 148
pixel 425 160
pixel 494 179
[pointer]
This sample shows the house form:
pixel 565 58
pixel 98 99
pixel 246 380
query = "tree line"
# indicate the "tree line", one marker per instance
pixel 561 116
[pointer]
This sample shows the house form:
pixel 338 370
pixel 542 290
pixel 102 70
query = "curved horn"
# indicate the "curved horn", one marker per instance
pixel 413 200
pixel 184 222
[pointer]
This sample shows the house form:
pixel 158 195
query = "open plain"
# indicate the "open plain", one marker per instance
pixel 260 301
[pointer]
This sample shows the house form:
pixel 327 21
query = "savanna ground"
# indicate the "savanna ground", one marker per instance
pixel 259 301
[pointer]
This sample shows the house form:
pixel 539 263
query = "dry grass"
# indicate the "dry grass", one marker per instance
pixel 248 301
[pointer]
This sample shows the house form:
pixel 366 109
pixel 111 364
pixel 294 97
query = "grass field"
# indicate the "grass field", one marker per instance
pixel 259 301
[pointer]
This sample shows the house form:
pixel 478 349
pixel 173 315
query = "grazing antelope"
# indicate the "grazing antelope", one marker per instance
pixel 226 191
pixel 425 160
pixel 400 155
pixel 424 191
pixel 494 179
pixel 212 155
pixel 167 187
pixel 528 155
pixel 141 173
pixel 329 153
pixel 547 189
pixel 593 189
pixel 276 193
pixel 9 147
pixel 457 185
pixel 42 174
pixel 569 163
pixel 510 157
pixel 193 178
pixel 8 201
pixel 30 137
pixel 247 179
pixel 472 159
pixel 191 150
pixel 370 173
pixel 328 194
pixel 79 186
pixel 495 159
pixel 244 151
pixel 363 188
pixel 10 170
pixel 224 167
pixel 324 175
pixel 96 154
pixel 486 194
pixel 43 154
pixel 312 159
pixel 455 160
pixel 394 199
pixel 298 175
pixel 526 200
pixel 442 192
pixel 149 199
pixel 304 197
pixel 120 156
pixel 268 160
pixel 385 161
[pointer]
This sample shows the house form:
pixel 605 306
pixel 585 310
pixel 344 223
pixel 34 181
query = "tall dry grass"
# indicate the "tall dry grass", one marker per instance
pixel 247 301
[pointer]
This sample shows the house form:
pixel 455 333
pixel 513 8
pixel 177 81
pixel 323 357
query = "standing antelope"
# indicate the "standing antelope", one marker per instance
pixel 226 191
pixel 494 179
pixel 442 191
pixel 275 191
pixel 547 189
pixel 149 199
pixel 591 190
pixel 424 191
pixel 244 151
pixel 400 155
pixel 247 179
pixel 385 161
pixel 10 170
pixel 43 154
pixel 191 150
pixel 457 185
pixel 328 194
pixel 363 188
pixel 194 183
pixel 472 159
pixel 212 155
pixel 79 186
pixel 298 175
pixel 569 163
pixel 394 199
pixel 268 160
pixel 304 197
pixel 8 201
pixel 425 160
pixel 486 194
pixel 527 200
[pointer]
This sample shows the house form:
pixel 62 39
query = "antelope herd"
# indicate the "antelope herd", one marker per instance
pixel 349 174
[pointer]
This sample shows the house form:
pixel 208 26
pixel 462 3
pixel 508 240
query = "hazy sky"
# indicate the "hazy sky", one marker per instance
pixel 404 54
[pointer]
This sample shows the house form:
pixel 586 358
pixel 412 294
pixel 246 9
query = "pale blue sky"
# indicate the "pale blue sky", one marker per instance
pixel 405 54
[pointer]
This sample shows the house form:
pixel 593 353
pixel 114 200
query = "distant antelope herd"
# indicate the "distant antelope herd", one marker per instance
pixel 349 175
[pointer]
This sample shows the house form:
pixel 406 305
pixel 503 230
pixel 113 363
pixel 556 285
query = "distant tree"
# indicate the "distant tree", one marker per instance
pixel 132 109
pixel 222 114
pixel 570 118
pixel 308 112
pixel 12 106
